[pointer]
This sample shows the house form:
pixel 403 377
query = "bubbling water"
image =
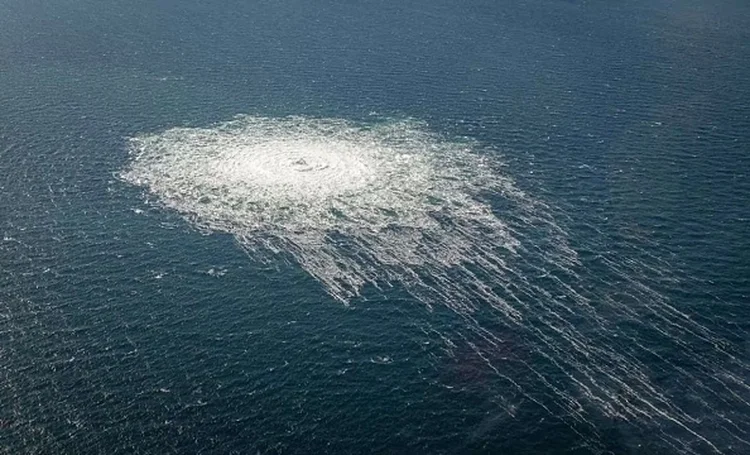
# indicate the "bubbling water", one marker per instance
pixel 390 203
pixel 393 190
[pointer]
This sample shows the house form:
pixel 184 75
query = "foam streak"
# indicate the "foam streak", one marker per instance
pixel 391 204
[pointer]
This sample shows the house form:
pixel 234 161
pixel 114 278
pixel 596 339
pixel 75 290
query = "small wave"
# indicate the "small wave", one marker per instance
pixel 391 203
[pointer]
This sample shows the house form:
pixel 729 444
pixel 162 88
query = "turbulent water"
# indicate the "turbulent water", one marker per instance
pixel 389 203
pixel 353 204
pixel 330 227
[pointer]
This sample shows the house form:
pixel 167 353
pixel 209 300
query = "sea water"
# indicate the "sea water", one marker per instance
pixel 330 227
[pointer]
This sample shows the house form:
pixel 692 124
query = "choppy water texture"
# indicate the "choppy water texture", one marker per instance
pixel 431 227
pixel 390 203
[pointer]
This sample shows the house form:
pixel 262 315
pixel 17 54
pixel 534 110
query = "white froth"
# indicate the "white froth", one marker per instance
pixel 392 204
pixel 290 184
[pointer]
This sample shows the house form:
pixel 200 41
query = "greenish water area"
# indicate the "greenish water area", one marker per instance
pixel 374 227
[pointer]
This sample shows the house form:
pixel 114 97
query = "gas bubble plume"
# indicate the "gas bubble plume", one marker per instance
pixel 390 203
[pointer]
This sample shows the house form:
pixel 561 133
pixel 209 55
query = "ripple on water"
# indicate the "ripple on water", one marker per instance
pixel 393 203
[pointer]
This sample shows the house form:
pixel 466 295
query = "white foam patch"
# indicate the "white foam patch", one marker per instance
pixel 392 192
pixel 391 203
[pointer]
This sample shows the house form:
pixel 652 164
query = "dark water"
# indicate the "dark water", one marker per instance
pixel 126 332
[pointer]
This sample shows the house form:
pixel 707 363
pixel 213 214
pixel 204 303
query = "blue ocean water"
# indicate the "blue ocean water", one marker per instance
pixel 127 328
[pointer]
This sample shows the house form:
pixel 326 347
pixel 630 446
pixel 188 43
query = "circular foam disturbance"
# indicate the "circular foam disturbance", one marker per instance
pixel 290 184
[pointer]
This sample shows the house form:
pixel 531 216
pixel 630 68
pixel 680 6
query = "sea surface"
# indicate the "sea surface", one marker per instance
pixel 423 227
